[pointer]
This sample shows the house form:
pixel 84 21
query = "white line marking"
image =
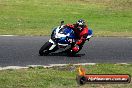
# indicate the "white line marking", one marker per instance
pixel 8 35
pixel 123 63
pixel 49 66
pixel 12 67
pixel 45 66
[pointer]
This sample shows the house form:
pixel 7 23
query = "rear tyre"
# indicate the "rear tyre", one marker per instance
pixel 44 50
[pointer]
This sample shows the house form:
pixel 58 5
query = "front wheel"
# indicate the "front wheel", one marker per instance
pixel 44 50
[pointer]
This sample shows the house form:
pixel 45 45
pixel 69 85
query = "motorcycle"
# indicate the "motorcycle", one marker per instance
pixel 62 40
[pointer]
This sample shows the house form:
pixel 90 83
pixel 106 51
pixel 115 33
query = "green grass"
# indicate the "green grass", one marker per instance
pixel 37 17
pixel 60 77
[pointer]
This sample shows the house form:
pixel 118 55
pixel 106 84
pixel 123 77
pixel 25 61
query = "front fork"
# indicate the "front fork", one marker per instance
pixel 53 46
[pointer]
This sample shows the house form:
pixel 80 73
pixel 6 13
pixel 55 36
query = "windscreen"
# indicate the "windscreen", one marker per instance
pixel 66 30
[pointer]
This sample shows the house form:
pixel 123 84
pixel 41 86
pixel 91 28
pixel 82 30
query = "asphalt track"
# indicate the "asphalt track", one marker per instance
pixel 23 51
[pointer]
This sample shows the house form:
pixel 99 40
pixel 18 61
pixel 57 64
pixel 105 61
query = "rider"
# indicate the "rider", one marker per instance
pixel 81 33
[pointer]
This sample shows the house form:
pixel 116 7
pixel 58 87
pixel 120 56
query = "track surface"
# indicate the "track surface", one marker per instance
pixel 23 51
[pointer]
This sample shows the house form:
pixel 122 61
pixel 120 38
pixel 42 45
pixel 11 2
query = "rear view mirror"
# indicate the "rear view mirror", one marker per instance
pixel 62 22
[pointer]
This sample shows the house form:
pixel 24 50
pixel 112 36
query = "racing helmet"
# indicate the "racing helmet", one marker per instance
pixel 80 24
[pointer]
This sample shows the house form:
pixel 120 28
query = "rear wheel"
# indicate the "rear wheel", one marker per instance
pixel 44 50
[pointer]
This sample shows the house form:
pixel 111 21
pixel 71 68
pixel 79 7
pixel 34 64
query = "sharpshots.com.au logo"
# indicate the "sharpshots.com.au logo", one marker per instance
pixel 83 78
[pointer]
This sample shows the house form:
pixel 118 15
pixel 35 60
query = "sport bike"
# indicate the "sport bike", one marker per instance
pixel 62 39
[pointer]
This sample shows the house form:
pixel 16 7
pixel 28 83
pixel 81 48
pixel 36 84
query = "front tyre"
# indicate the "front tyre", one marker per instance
pixel 44 50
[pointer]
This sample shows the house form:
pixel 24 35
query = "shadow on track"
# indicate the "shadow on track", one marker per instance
pixel 64 54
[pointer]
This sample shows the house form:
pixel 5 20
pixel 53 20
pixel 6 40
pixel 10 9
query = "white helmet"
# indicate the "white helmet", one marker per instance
pixel 80 22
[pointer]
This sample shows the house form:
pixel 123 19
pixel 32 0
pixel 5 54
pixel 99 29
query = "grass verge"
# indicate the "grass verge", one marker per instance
pixel 37 17
pixel 60 77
